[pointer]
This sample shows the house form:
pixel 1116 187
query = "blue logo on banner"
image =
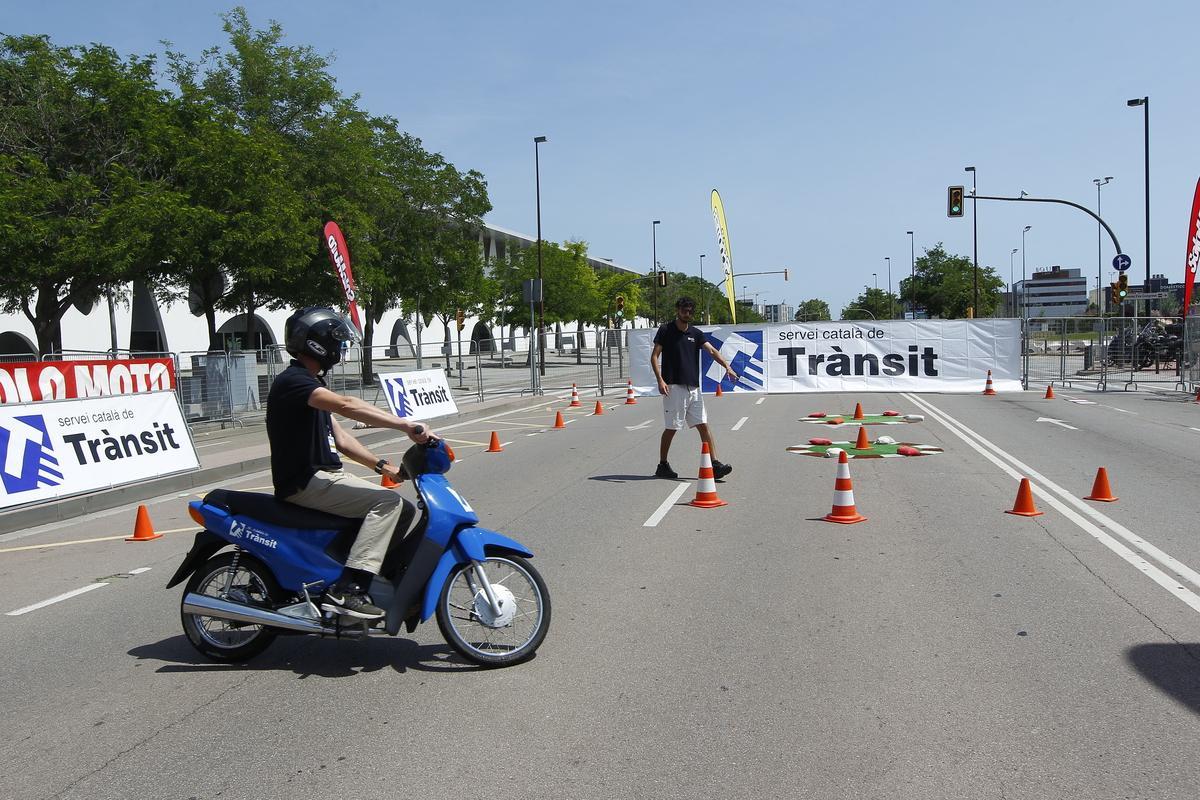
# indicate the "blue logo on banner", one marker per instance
pixel 742 350
pixel 29 460
pixel 397 396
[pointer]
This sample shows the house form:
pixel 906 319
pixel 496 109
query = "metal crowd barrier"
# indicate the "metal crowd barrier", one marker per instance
pixel 1122 351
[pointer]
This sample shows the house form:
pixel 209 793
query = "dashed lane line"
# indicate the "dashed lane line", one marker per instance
pixel 57 599
pixel 666 506
pixel 739 424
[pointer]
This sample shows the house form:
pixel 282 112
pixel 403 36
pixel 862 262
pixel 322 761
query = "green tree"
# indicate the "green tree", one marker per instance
pixel 872 303
pixel 813 311
pixel 944 285
pixel 84 177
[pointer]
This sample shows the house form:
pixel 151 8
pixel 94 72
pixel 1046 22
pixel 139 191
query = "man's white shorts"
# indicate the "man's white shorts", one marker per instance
pixel 684 404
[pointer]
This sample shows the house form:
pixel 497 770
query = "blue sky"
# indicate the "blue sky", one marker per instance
pixel 829 128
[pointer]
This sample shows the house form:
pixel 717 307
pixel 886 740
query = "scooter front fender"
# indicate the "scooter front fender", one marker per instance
pixel 469 544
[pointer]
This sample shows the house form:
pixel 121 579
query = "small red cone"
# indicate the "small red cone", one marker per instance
pixel 1198 394
pixel 706 485
pixel 987 388
pixel 599 409
pixel 1049 392
pixel 844 510
pixel 629 398
pixel 719 392
pixel 574 398
pixel 386 481
pixel 494 446
pixel 1024 506
pixel 1101 491
pixel 858 413
pixel 558 420
pixel 863 442
pixel 143 529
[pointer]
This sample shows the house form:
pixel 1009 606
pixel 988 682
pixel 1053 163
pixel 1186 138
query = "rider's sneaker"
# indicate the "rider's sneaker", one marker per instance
pixel 664 471
pixel 721 469
pixel 350 601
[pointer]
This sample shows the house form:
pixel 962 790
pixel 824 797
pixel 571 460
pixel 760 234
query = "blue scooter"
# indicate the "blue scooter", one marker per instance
pixel 491 604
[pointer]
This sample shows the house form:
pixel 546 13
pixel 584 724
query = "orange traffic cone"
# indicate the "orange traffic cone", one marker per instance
pixel 706 486
pixel 629 398
pixel 143 529
pixel 718 393
pixel 1049 392
pixel 858 414
pixel 987 389
pixel 558 420
pixel 1100 489
pixel 1024 506
pixel 574 397
pixel 494 446
pixel 386 481
pixel 863 442
pixel 844 510
pixel 599 409
pixel 1198 394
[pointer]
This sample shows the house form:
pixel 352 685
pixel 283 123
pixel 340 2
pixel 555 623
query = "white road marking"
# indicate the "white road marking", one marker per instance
pixel 1078 400
pixel 139 570
pixel 53 600
pixel 1114 408
pixel 759 402
pixel 639 426
pixel 1043 486
pixel 1194 429
pixel 1057 422
pixel 739 424
pixel 657 516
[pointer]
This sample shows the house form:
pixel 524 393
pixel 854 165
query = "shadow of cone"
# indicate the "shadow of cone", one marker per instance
pixel 574 398
pixel 844 510
pixel 863 442
pixel 1049 392
pixel 386 481
pixel 987 387
pixel 1101 491
pixel 143 529
pixel 718 392
pixel 706 485
pixel 599 409
pixel 494 446
pixel 558 420
pixel 1024 506
pixel 629 398
pixel 858 412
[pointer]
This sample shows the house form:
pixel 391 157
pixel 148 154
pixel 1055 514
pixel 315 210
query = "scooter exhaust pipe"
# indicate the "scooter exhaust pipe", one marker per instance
pixel 239 612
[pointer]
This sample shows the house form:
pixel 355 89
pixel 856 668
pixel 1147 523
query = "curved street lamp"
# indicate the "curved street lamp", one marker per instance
pixel 856 308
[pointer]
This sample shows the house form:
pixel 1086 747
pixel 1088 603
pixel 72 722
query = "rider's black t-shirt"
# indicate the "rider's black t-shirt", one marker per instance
pixel 301 436
pixel 680 354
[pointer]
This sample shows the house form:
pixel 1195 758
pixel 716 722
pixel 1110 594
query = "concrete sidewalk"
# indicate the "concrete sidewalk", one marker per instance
pixel 224 454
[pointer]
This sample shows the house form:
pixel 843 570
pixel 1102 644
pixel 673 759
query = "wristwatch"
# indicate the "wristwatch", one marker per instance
pixel 379 465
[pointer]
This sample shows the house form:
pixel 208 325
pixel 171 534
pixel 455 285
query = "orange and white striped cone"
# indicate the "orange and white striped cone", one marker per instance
pixel 844 510
pixel 630 400
pixel 987 388
pixel 574 398
pixel 706 486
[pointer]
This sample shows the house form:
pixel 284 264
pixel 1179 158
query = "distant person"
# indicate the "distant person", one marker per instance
pixel 678 343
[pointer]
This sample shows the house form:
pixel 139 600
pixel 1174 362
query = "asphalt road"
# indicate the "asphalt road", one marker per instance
pixel 941 649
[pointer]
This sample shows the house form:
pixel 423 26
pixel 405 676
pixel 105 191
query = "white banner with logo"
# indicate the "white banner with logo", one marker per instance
pixel 65 447
pixel 895 355
pixel 423 394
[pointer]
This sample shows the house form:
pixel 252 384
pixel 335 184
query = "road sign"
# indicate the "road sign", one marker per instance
pixel 1146 295
pixel 1122 262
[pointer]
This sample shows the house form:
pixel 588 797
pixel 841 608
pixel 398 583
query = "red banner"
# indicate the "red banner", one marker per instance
pixel 339 254
pixel 30 381
pixel 1193 251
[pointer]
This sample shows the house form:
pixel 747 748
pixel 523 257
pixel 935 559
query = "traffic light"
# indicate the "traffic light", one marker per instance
pixel 1123 286
pixel 620 305
pixel 785 273
pixel 662 278
pixel 954 206
pixel 1114 296
pixel 460 318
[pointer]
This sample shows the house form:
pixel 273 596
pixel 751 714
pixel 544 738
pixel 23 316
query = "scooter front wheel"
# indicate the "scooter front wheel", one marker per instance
pixel 470 623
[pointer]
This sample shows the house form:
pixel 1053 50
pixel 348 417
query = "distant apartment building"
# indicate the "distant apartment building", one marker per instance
pixel 778 312
pixel 1054 292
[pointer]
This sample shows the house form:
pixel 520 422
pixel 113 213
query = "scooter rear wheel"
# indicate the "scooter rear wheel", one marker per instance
pixel 252 583
pixel 466 617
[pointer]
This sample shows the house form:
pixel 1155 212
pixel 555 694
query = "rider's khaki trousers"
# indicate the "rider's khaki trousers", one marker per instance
pixel 348 496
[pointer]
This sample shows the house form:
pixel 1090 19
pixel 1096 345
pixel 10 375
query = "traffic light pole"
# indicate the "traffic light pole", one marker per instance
pixel 1084 209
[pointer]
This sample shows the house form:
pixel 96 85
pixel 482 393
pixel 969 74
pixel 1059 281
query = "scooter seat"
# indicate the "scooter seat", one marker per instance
pixel 266 508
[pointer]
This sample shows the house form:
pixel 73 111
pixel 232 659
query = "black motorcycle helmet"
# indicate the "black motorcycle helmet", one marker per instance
pixel 318 332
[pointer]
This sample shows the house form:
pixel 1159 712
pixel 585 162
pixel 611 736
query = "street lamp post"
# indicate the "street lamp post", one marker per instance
pixel 654 263
pixel 1024 303
pixel 891 304
pixel 1012 288
pixel 704 299
pixel 537 178
pixel 912 289
pixel 1144 102
pixel 1099 247
pixel 875 275
pixel 975 241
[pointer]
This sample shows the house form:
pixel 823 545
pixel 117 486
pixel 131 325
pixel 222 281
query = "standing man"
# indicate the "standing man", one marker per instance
pixel 679 343
pixel 305 443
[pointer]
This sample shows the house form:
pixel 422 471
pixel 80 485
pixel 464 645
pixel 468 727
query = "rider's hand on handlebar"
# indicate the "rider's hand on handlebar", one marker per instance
pixel 421 434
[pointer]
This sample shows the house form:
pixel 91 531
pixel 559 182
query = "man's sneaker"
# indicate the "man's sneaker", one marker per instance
pixel 721 469
pixel 664 471
pixel 350 601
